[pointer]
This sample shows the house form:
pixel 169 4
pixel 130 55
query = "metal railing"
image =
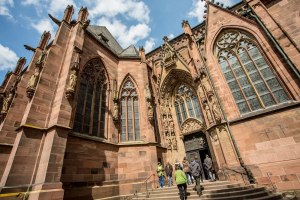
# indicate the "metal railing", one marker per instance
pixel 146 186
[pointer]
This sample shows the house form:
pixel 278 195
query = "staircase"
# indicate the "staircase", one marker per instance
pixel 220 190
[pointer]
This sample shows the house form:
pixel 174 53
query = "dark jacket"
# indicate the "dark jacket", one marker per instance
pixel 195 168
pixel 169 170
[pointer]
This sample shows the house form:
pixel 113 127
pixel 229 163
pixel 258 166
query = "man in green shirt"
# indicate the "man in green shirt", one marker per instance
pixel 180 179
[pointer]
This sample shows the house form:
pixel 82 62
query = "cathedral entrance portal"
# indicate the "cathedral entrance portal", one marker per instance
pixel 196 145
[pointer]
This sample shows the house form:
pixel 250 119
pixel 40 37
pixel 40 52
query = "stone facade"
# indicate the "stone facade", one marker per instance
pixel 58 142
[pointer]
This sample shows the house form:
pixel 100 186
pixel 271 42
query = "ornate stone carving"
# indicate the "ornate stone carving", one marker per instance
pixel 32 83
pixel 206 84
pixel 168 57
pixel 169 143
pixel 207 112
pixel 150 110
pixel 191 125
pixel 71 86
pixel 215 108
pixel 116 111
pixel 213 135
pixel 149 103
pixel 174 143
pixel 6 103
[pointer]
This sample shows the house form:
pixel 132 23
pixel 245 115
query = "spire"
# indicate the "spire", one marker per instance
pixel 44 40
pixel 21 62
pixel 142 54
pixel 83 14
pixel 69 11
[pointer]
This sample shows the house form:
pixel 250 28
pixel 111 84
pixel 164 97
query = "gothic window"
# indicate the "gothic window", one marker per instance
pixel 91 104
pixel 186 104
pixel 248 74
pixel 130 125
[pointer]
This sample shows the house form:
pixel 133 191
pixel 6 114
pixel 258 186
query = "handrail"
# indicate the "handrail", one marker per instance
pixel 146 183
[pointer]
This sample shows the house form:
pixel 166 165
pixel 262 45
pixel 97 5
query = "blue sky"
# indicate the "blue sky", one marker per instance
pixel 138 22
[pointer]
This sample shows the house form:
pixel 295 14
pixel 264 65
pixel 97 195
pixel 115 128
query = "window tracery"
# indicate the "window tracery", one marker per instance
pixel 186 104
pixel 91 104
pixel 249 76
pixel 130 127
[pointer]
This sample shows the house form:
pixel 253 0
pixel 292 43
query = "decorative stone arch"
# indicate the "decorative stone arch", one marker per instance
pixel 191 125
pixel 129 106
pixel 128 76
pixel 173 78
pixel 103 69
pixel 93 86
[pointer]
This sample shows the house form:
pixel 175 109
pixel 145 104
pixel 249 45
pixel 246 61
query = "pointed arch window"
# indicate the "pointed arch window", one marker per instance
pixel 248 74
pixel 130 122
pixel 186 104
pixel 91 103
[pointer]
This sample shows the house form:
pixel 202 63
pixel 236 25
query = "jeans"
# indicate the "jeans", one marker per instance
pixel 161 181
pixel 170 181
pixel 189 178
pixel 212 175
pixel 182 190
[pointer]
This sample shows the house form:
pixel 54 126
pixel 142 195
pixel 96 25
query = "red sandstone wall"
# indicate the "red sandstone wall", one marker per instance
pixel 270 144
pixel 287 14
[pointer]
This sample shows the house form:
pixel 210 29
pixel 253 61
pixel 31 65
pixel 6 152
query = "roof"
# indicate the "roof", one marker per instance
pixel 102 34
pixel 130 51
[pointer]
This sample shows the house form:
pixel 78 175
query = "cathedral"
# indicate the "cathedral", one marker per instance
pixel 87 119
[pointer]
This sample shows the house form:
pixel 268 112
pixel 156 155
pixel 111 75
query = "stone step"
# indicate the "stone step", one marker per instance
pixel 220 190
pixel 238 188
pixel 234 192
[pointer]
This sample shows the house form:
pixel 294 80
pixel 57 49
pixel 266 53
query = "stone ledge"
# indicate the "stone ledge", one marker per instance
pixel 267 111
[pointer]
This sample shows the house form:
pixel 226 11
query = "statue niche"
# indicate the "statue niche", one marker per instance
pixel 71 86
pixel 32 83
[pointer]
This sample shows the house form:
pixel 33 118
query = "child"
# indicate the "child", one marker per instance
pixel 180 179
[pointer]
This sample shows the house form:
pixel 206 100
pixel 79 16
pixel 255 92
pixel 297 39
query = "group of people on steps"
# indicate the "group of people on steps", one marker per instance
pixel 186 173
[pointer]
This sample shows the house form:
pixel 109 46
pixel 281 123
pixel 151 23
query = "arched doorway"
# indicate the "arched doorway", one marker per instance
pixel 196 145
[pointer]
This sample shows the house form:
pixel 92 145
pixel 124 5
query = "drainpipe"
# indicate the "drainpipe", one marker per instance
pixel 247 170
pixel 278 47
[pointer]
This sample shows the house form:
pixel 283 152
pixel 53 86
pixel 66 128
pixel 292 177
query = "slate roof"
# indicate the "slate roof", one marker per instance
pixel 102 34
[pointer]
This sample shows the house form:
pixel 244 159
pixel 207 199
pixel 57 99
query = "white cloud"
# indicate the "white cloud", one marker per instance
pixel 131 9
pixel 197 10
pixel 43 25
pixel 58 6
pixel 8 58
pixel 171 36
pixel 4 8
pixel 149 45
pixel 124 34
pixel 30 2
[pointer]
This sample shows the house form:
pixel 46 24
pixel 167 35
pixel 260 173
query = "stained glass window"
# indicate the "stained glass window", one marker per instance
pixel 186 104
pixel 251 80
pixel 130 130
pixel 91 103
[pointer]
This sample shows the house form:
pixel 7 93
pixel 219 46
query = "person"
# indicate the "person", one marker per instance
pixel 186 170
pixel 201 168
pixel 160 174
pixel 196 169
pixel 169 172
pixel 180 179
pixel 208 165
